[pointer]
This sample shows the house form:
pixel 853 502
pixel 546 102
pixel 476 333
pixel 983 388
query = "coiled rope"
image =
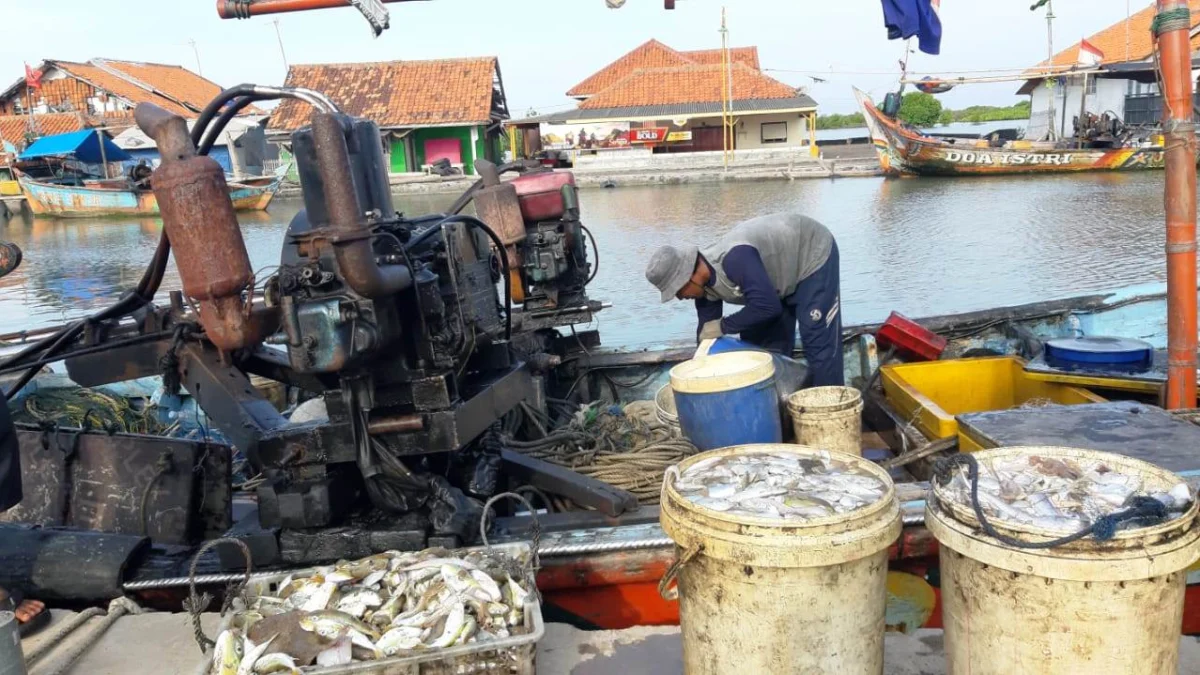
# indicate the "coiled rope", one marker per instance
pixel 628 448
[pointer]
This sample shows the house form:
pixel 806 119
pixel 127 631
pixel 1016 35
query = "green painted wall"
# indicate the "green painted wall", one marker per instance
pixel 463 134
pixel 399 161
pixel 293 173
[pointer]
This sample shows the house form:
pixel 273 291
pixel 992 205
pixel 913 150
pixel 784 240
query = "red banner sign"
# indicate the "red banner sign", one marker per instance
pixel 648 135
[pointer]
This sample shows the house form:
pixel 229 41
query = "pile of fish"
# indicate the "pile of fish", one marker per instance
pixel 779 484
pixel 1058 494
pixel 383 606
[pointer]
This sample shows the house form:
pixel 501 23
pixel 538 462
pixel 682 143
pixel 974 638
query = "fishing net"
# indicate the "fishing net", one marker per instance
pixel 87 408
pixel 627 447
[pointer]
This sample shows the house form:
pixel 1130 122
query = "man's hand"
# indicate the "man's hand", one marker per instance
pixel 711 330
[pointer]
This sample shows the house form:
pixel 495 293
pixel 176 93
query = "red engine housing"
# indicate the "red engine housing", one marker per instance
pixel 540 194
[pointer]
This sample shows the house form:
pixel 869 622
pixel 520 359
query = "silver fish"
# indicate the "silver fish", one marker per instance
pixel 227 653
pixel 251 654
pixel 277 662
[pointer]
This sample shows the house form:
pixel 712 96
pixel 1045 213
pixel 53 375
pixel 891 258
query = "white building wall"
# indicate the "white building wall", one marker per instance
pixel 1108 96
pixel 749 130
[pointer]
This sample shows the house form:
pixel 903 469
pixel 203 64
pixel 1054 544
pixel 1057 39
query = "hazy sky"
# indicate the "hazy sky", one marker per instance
pixel 546 46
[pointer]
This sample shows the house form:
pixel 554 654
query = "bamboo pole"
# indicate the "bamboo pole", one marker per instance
pixel 1171 26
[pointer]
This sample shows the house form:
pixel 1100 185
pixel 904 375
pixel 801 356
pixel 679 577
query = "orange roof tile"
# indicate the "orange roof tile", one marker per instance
pixel 650 54
pixel 747 56
pixel 13 128
pixel 175 81
pixel 119 86
pixel 687 84
pixel 1113 41
pixel 397 93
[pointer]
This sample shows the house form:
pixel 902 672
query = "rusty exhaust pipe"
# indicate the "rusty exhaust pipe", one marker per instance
pixel 198 216
pixel 1171 27
pixel 353 251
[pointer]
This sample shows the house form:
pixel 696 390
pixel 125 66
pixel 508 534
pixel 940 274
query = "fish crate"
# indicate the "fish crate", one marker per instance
pixel 513 655
pixel 932 393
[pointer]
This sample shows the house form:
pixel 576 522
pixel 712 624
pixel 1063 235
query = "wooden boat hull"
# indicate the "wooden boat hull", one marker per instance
pixel 605 571
pixel 69 201
pixel 904 152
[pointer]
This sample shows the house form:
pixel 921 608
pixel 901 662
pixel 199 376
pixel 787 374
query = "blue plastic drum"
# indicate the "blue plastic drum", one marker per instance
pixel 727 399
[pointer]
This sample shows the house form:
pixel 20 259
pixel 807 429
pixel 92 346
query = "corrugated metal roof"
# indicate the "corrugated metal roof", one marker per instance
pixel 797 103
pixel 134 138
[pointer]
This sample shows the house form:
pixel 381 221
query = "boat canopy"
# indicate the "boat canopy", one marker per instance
pixel 83 145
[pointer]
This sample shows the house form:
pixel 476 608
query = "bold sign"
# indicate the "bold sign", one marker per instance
pixel 677 136
pixel 1012 158
pixel 648 135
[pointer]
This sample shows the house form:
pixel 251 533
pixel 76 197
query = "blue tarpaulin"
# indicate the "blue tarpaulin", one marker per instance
pixel 83 145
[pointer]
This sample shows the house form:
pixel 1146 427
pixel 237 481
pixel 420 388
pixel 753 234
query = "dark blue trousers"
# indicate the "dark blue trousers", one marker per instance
pixel 816 306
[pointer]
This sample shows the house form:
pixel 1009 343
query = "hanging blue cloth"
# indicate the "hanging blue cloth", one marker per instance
pixel 906 18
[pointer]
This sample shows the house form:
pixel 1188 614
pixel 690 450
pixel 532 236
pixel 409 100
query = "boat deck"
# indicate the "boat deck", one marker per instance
pixel 162 644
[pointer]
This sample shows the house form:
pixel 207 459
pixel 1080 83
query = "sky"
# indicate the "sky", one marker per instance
pixel 547 46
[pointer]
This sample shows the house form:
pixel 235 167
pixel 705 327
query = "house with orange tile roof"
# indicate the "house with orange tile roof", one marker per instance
pixel 1123 83
pixel 426 110
pixel 680 94
pixel 108 87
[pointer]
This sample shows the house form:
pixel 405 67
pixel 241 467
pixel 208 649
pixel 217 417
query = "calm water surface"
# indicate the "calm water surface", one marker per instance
pixel 919 246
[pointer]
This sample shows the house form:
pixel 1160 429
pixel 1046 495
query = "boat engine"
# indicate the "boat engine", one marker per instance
pixel 396 322
pixel 401 319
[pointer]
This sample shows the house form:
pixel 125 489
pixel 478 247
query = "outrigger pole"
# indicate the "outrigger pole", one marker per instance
pixel 1171 26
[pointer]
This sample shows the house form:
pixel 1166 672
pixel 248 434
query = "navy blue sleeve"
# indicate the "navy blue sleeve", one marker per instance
pixel 744 267
pixel 707 310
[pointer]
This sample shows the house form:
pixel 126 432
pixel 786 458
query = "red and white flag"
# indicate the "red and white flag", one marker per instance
pixel 33 78
pixel 1089 54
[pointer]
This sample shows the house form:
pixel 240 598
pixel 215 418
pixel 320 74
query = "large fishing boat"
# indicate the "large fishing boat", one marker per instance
pixel 906 151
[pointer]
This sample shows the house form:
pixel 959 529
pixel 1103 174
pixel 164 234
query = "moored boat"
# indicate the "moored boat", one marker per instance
pixel 109 198
pixel 905 151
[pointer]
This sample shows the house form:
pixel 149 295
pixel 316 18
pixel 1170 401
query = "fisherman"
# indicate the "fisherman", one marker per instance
pixel 782 268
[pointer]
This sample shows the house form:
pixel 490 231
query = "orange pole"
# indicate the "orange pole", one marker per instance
pixel 1171 27
pixel 233 9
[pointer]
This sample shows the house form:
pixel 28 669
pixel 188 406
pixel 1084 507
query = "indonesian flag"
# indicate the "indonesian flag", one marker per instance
pixel 1089 54
pixel 33 78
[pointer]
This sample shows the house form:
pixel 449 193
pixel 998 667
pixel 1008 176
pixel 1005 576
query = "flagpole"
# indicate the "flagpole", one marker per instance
pixel 1050 62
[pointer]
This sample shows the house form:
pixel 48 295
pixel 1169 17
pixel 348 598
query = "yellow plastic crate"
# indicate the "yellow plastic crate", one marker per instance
pixel 931 393
pixel 10 188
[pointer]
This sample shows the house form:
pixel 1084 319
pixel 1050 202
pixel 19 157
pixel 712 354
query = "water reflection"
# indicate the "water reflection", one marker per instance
pixel 921 246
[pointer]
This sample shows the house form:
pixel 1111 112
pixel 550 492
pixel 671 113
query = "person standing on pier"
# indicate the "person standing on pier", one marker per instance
pixel 783 269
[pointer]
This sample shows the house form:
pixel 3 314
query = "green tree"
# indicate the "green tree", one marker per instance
pixel 946 117
pixel 920 109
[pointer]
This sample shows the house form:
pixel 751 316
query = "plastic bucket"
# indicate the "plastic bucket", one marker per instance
pixel 1086 607
pixel 761 595
pixel 828 417
pixel 727 399
pixel 664 406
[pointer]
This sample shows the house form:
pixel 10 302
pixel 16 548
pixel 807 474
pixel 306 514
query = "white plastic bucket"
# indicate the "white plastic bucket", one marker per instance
pixel 762 595
pixel 1086 607
pixel 828 417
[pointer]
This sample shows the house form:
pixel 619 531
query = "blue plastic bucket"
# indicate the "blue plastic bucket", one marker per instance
pixel 727 399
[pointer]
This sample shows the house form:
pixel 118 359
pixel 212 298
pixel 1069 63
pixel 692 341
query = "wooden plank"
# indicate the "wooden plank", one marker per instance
pixel 578 488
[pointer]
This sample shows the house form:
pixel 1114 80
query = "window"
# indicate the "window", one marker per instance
pixel 774 132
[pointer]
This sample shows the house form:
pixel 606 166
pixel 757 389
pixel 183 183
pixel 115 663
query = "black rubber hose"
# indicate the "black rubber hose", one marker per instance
pixel 228 114
pixel 595 254
pixel 214 106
